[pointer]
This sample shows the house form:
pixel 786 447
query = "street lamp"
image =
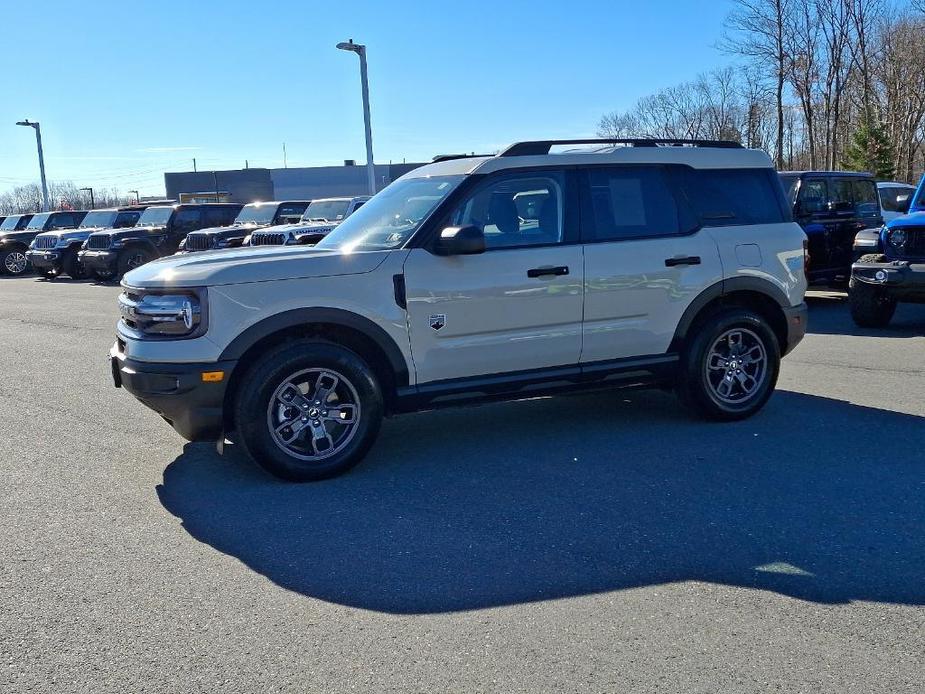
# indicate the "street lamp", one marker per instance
pixel 92 203
pixel 137 197
pixel 38 140
pixel 360 50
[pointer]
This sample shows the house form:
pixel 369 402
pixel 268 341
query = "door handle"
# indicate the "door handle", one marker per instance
pixel 689 260
pixel 548 271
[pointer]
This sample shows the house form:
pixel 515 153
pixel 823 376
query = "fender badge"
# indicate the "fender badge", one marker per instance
pixel 437 321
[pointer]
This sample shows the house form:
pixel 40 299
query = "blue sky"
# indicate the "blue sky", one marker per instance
pixel 126 90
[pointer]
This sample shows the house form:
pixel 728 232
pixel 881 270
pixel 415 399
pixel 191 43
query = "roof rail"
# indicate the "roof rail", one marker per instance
pixel 540 147
pixel 450 157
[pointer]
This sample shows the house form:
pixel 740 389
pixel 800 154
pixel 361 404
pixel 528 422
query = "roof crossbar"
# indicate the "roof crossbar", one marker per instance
pixel 450 157
pixel 541 147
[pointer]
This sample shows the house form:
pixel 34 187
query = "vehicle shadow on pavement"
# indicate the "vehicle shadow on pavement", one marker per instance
pixel 829 315
pixel 814 498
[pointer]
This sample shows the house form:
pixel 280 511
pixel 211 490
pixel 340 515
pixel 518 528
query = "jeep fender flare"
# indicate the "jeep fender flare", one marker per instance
pixel 718 291
pixel 331 316
pixel 138 241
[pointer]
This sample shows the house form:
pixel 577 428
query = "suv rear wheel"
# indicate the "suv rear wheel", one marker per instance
pixel 730 367
pixel 14 262
pixel 308 410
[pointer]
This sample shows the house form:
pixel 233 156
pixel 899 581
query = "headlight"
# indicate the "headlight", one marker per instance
pixel 897 238
pixel 246 241
pixel 164 314
pixel 182 246
pixel 117 243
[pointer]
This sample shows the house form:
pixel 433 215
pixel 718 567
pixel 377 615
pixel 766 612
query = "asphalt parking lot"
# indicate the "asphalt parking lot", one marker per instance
pixel 601 542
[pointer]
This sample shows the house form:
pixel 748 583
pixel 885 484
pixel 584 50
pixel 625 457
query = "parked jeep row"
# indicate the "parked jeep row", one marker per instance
pixel 318 220
pixel 254 216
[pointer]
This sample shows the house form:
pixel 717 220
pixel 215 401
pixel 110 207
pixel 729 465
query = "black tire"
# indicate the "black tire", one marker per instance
pixel 705 371
pixel 103 275
pixel 48 274
pixel 259 408
pixel 871 306
pixel 72 267
pixel 131 258
pixel 14 262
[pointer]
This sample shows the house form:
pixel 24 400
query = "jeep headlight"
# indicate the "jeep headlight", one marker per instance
pixel 117 243
pixel 897 238
pixel 164 314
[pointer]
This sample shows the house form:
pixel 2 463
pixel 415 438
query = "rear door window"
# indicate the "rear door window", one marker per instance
pixel 814 196
pixel 625 202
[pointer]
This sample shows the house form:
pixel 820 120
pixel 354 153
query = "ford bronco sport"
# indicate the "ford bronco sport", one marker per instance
pixel 895 274
pixel 641 262
pixel 158 233
pixel 54 253
pixel 256 215
pixel 319 219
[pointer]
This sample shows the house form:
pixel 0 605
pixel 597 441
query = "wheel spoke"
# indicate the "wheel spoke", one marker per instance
pixel 321 440
pixel 716 362
pixel 289 430
pixel 342 414
pixel 324 386
pixel 291 396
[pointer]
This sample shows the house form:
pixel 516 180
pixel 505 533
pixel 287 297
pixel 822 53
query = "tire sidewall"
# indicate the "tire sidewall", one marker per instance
pixel 5 271
pixel 697 390
pixel 278 365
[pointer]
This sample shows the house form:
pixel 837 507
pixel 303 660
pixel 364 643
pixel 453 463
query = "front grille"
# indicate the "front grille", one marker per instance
pixel 44 242
pixel 915 243
pixel 198 242
pixel 98 242
pixel 273 239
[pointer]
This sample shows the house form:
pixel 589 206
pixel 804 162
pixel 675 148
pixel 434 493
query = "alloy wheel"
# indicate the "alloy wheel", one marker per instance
pixel 314 414
pixel 15 262
pixel 736 366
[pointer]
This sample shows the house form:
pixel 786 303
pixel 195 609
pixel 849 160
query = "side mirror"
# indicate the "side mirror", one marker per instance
pixel 467 240
pixel 903 202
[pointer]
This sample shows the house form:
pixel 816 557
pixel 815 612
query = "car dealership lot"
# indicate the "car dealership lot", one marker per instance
pixel 599 542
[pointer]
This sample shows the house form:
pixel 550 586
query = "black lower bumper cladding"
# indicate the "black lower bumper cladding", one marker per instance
pixel 899 278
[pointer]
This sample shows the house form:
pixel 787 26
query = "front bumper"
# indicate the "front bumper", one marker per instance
pixel 100 261
pixel 900 279
pixel 796 317
pixel 44 261
pixel 177 392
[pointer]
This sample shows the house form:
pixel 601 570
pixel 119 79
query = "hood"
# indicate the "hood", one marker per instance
pixel 22 235
pixel 71 233
pixel 251 264
pixel 233 230
pixel 913 219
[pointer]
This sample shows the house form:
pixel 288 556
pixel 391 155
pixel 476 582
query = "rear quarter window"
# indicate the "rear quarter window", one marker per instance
pixel 731 197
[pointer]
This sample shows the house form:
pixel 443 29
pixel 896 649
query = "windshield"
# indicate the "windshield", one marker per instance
pixel 258 213
pixel 392 216
pixel 38 221
pixel 326 211
pixel 9 224
pixel 789 182
pixel 155 216
pixel 102 218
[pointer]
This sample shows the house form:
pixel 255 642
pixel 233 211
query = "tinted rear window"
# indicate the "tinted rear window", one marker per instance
pixel 729 197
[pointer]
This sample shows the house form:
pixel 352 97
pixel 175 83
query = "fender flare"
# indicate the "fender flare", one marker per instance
pixel 717 291
pixel 306 316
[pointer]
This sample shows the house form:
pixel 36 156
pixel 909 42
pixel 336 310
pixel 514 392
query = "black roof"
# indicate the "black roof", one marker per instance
pixel 857 174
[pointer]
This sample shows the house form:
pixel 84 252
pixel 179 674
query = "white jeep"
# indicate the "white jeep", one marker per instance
pixel 638 262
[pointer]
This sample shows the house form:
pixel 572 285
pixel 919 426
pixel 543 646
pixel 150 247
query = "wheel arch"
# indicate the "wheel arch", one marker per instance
pixel 339 326
pixel 747 292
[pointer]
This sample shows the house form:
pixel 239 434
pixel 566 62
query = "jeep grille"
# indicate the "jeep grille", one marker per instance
pixel 272 239
pixel 198 242
pixel 915 243
pixel 45 241
pixel 98 242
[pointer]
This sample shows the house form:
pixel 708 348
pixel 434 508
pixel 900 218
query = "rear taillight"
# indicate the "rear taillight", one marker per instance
pixel 806 258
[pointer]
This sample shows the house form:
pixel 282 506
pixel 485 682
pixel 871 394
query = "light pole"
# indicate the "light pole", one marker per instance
pixel 92 203
pixel 360 50
pixel 137 197
pixel 38 140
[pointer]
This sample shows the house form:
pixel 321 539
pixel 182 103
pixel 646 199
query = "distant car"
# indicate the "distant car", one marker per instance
pixel 12 256
pixel 161 228
pixel 320 218
pixel 54 253
pixel 14 244
pixel 832 207
pixel 254 216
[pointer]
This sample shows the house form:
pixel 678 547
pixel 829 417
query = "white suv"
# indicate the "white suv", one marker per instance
pixel 640 262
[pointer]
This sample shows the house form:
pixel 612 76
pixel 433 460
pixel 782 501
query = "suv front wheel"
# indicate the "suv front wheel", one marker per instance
pixel 730 366
pixel 308 410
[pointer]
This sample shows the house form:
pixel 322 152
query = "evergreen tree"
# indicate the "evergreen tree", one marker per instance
pixel 870 150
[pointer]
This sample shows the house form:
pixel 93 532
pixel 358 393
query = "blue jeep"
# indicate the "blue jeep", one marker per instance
pixel 896 273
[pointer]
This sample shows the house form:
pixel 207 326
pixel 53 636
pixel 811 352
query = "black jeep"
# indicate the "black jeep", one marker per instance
pixel 54 253
pixel 15 241
pixel 161 228
pixel 832 207
pixel 256 215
